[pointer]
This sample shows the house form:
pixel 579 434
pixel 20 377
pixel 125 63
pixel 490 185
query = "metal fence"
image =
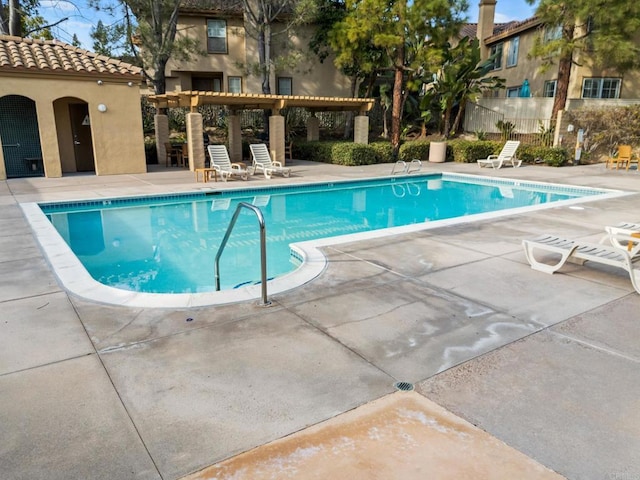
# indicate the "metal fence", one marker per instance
pixel 494 125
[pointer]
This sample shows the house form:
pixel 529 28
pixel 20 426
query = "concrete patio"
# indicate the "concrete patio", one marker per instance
pixel 517 374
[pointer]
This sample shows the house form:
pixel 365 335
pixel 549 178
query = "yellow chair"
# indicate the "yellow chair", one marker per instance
pixel 623 158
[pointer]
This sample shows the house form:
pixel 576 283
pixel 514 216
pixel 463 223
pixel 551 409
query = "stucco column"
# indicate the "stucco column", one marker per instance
pixel 194 140
pixel 361 130
pixel 161 124
pixel 48 140
pixel 235 137
pixel 313 129
pixel 276 138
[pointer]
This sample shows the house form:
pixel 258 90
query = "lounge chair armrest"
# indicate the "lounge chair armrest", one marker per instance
pixel 625 239
pixel 277 164
pixel 492 157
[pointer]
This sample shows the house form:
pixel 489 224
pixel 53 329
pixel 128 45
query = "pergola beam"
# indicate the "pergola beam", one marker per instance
pixel 254 101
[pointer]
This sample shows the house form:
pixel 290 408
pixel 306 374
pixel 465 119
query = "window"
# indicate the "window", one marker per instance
pixel 550 88
pixel 235 85
pixel 601 88
pixel 512 54
pixel 285 86
pixel 513 92
pixel 552 33
pixel 216 36
pixel 497 51
pixel 211 83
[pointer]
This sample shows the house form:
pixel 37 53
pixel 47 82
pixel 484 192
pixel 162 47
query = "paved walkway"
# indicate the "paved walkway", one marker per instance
pixel 517 374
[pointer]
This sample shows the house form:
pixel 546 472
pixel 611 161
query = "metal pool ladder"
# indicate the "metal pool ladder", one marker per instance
pixel 263 249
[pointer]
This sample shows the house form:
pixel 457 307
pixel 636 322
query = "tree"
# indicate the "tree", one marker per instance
pixel 579 31
pixel 260 24
pixel 410 33
pixel 460 78
pixel 21 19
pixel 150 35
pixel 359 61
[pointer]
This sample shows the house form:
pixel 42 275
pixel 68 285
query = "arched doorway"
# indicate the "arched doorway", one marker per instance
pixel 20 137
pixel 75 139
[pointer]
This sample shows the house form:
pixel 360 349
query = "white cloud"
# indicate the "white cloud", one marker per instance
pixel 57 5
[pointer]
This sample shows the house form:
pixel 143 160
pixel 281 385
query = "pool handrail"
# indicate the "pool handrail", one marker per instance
pixel 263 249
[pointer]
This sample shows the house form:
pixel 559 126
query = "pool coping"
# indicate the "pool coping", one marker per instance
pixel 75 278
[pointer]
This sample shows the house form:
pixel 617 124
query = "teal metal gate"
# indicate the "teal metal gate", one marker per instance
pixel 20 137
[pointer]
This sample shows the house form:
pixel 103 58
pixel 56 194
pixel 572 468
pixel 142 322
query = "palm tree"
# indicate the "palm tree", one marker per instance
pixel 462 77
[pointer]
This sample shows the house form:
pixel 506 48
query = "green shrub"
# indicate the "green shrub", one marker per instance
pixel 467 151
pixel 552 156
pixel 344 152
pixel 352 154
pixel 384 151
pixel 414 149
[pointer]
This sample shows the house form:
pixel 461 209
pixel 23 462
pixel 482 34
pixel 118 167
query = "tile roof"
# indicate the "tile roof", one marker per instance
pixel 21 55
pixel 500 30
pixel 229 7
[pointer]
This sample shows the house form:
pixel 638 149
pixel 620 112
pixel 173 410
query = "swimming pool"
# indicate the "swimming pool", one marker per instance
pixel 144 248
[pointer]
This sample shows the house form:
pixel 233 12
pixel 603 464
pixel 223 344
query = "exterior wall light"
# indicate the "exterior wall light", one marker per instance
pixel 99 82
pixel 130 84
pixel 102 107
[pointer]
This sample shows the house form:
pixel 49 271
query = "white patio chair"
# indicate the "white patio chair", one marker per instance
pixel 221 163
pixel 506 157
pixel 262 161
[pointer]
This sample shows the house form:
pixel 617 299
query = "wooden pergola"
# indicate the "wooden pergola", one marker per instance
pixel 251 101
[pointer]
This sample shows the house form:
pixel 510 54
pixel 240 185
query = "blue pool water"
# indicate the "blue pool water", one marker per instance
pixel 168 244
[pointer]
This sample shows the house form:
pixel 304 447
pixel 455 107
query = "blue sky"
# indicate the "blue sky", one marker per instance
pixel 81 18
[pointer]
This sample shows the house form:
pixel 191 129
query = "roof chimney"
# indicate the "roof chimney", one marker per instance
pixel 485 24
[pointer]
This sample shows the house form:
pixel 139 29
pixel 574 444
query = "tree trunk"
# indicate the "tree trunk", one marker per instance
pixel 458 119
pixel 564 74
pixel 396 109
pixel 562 87
pixel 159 78
pixel 15 24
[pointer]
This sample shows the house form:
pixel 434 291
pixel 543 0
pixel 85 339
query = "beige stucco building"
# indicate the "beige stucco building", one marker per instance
pixel 514 41
pixel 65 110
pixel 231 55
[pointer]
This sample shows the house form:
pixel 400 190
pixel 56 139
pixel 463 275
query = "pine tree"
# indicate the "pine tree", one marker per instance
pixel 597 32
pixel 410 33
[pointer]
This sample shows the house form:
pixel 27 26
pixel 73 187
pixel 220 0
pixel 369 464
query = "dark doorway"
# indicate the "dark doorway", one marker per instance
pixel 20 137
pixel 82 142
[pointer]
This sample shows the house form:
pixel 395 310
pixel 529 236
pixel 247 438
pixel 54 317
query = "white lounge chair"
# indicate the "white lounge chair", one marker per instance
pixel 506 157
pixel 262 161
pixel 623 253
pixel 221 163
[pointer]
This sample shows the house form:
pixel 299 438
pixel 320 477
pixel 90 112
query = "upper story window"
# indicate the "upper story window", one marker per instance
pixel 601 88
pixel 497 51
pixel 513 92
pixel 512 54
pixel 550 88
pixel 216 36
pixel 235 84
pixel 285 86
pixel 552 33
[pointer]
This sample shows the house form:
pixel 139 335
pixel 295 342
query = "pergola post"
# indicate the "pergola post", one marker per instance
pixel 276 138
pixel 361 130
pixel 235 136
pixel 313 128
pixel 194 140
pixel 161 125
